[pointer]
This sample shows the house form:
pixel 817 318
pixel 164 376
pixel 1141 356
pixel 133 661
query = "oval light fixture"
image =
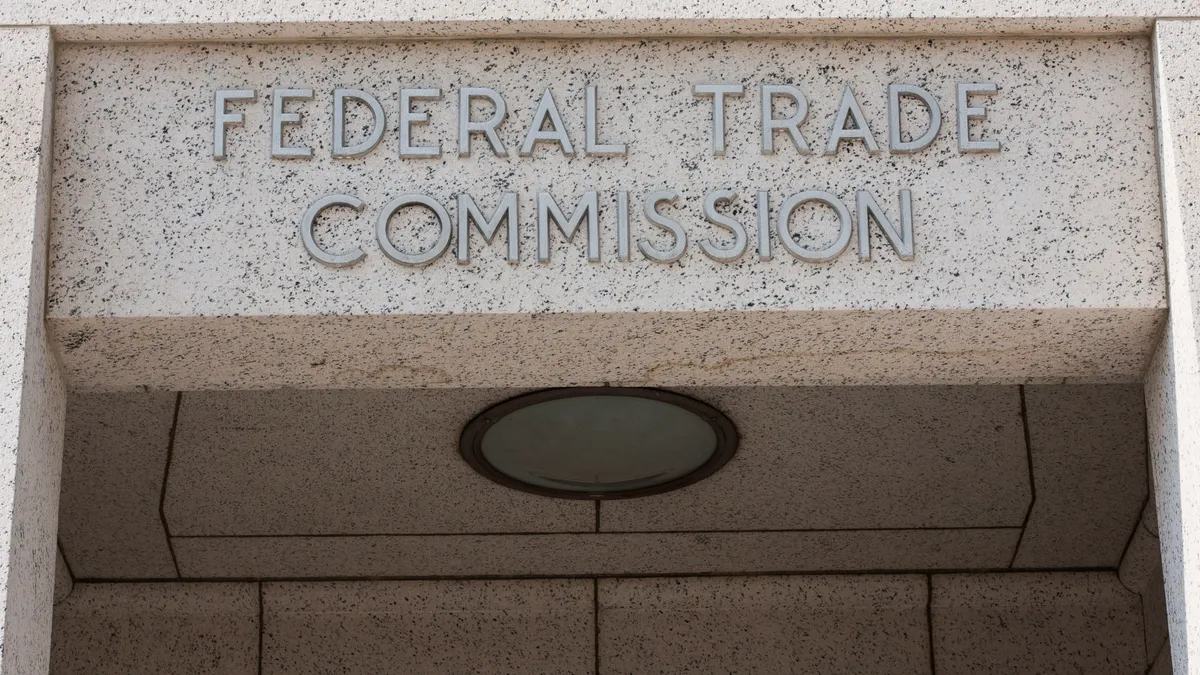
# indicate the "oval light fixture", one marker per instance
pixel 599 442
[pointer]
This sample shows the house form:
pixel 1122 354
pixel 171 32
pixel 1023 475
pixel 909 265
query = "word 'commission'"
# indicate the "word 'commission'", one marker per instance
pixel 546 126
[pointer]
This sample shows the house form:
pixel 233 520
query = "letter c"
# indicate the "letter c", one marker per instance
pixel 310 243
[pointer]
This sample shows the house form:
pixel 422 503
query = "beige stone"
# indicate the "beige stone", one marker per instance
pixel 114 460
pixel 1162 664
pixel 301 19
pixel 157 629
pixel 1043 623
pixel 329 462
pixel 32 390
pixel 381 325
pixel 810 624
pixel 842 457
pixel 63 582
pixel 1142 562
pixel 1154 616
pixel 1088 448
pixel 530 626
pixel 592 554
pixel 1173 377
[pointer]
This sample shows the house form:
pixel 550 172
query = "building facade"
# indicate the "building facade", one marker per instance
pixel 600 338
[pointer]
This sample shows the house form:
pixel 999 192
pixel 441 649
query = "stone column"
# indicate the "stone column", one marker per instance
pixel 1173 380
pixel 32 392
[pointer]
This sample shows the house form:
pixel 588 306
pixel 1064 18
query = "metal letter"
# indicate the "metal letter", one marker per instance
pixel 310 242
pixel 829 252
pixel 280 118
pixel 792 124
pixel 902 241
pixel 764 226
pixel 861 131
pixel 650 208
pixel 466 127
pixel 592 130
pixel 413 259
pixel 409 117
pixel 966 113
pixel 623 226
pixel 339 123
pixel 467 211
pixel 547 208
pixel 735 251
pixel 222 118
pixel 557 132
pixel 718 92
pixel 896 142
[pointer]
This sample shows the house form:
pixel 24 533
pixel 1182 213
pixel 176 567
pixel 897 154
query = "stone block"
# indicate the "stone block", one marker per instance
pixel 157 629
pixel 114 460
pixel 529 626
pixel 343 462
pixel 1036 623
pixel 592 554
pixel 1025 290
pixel 851 625
pixel 1088 447
pixel 853 457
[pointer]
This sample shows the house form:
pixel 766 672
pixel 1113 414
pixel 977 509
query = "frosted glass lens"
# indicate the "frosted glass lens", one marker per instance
pixel 599 443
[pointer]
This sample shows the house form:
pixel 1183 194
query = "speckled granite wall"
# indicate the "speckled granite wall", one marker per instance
pixel 32 391
pixel 995 529
pixel 1030 263
pixel 365 483
pixel 989 529
pixel 1081 622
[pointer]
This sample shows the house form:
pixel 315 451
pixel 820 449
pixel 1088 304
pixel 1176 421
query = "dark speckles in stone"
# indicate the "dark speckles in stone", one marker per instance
pixel 187 239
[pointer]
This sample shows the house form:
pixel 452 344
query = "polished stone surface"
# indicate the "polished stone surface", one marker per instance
pixel 815 624
pixel 114 460
pixel 157 629
pixel 1088 448
pixel 843 457
pixel 1036 623
pixel 379 325
pixel 529 626
pixel 593 554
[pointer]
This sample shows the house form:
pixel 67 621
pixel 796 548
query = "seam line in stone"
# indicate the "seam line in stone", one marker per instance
pixel 609 575
pixel 261 627
pixel 66 563
pixel 929 620
pixel 589 532
pixel 1140 522
pixel 1032 483
pixel 595 622
pixel 162 497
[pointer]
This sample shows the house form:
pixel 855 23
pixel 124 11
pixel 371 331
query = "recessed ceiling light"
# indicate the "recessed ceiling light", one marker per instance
pixel 599 442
